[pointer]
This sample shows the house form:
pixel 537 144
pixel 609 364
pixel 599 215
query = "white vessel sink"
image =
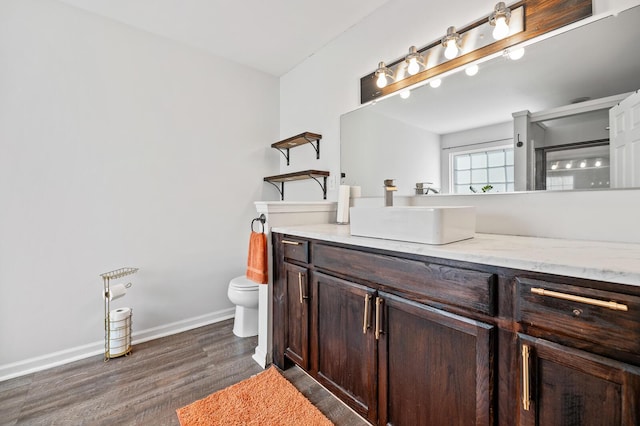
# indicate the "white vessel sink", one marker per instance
pixel 418 224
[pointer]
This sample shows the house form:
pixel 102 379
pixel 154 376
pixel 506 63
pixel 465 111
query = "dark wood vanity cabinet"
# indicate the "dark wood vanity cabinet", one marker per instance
pixel 435 368
pixel 296 316
pixel 585 376
pixel 291 295
pixel 565 386
pixel 412 340
pixel 344 347
pixel 400 361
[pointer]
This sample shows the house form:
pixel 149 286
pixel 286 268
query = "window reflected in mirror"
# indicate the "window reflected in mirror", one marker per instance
pixel 482 171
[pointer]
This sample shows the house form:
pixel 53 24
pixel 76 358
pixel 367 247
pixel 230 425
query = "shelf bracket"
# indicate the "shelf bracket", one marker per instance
pixel 306 174
pixel 315 146
pixel 279 188
pixel 285 155
pixel 322 185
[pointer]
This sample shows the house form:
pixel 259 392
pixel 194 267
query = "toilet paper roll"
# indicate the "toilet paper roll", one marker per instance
pixel 356 192
pixel 116 292
pixel 119 331
pixel 342 214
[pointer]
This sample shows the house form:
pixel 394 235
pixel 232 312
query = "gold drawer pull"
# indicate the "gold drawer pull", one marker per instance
pixel 300 287
pixel 526 396
pixel 611 305
pixel 365 320
pixel 378 315
pixel 293 243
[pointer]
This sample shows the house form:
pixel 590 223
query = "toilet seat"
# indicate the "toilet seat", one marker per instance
pixel 244 293
pixel 242 283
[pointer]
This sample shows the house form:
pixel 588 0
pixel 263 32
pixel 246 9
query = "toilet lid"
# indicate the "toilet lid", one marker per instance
pixel 244 283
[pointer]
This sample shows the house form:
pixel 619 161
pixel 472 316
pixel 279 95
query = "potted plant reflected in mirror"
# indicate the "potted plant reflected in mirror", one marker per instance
pixel 485 188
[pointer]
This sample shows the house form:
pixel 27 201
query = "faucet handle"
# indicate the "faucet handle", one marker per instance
pixel 389 182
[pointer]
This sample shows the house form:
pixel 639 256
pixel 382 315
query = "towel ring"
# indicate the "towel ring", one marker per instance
pixel 262 219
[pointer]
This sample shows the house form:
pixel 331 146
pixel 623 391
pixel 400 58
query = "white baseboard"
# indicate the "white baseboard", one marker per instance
pixel 262 358
pixel 31 365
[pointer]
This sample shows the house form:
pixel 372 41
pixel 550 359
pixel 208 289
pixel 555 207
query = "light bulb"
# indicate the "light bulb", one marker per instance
pixel 502 28
pixel 516 53
pixel 382 73
pixel 471 70
pixel 451 51
pixel 450 43
pixel 413 61
pixel 554 166
pixel 435 83
pixel 405 94
pixel 413 66
pixel 382 80
pixel 583 164
pixel 598 163
pixel 568 165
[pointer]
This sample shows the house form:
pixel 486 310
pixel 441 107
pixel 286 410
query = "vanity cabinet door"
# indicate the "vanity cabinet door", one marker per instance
pixel 565 386
pixel 435 368
pixel 345 351
pixel 293 290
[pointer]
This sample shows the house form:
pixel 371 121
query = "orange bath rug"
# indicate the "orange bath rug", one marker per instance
pixel 264 399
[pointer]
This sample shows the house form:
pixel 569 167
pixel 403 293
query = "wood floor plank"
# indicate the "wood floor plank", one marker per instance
pixel 148 386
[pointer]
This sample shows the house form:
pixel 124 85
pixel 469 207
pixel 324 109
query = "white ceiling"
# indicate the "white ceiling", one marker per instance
pixel 272 36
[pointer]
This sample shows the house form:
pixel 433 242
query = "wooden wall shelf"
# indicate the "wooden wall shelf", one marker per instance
pixel 303 138
pixel 306 174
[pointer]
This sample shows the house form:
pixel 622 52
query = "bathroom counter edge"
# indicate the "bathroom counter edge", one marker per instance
pixel 594 260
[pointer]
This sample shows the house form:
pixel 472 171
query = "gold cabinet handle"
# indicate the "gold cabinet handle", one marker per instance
pixel 587 300
pixel 378 315
pixel 292 243
pixel 365 320
pixel 300 286
pixel 526 397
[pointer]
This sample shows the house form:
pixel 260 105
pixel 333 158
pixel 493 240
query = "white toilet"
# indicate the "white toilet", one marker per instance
pixel 244 294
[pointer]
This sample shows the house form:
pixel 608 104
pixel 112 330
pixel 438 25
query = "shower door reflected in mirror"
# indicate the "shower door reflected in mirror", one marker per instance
pixel 573 166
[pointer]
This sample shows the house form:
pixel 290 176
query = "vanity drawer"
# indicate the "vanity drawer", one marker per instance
pixel 597 316
pixel 459 287
pixel 295 249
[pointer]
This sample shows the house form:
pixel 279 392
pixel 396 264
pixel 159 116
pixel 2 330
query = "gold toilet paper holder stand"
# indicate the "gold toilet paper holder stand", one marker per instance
pixel 106 280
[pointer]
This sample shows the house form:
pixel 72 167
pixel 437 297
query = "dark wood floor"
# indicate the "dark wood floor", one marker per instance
pixel 147 387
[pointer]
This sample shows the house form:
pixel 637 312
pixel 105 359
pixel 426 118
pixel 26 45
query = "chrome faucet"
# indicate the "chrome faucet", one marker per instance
pixel 389 188
pixel 423 188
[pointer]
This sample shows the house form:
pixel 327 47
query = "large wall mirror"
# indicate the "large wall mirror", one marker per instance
pixel 460 135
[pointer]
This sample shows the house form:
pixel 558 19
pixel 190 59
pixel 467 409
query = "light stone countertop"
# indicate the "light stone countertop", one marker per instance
pixel 603 261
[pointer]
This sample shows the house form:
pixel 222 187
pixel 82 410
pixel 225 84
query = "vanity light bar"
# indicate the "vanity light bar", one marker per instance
pixel 585 164
pixel 527 20
pixel 466 41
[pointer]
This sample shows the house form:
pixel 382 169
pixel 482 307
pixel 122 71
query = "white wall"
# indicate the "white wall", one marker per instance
pixel 582 128
pixel 316 93
pixel 365 129
pixel 120 148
